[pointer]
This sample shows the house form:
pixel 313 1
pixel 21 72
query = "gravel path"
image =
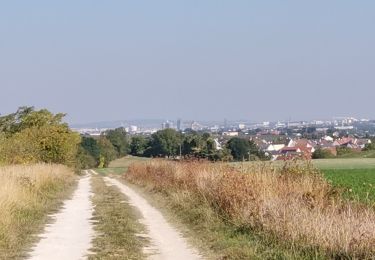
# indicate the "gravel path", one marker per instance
pixel 167 243
pixel 70 235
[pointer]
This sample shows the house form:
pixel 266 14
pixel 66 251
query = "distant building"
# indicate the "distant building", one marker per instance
pixel 195 126
pixel 179 124
pixel 232 134
pixel 241 126
pixel 167 125
pixel 133 128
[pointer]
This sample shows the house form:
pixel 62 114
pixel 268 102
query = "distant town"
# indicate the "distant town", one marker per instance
pixel 279 140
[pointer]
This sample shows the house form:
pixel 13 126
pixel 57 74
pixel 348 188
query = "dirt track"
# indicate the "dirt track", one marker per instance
pixel 167 242
pixel 69 236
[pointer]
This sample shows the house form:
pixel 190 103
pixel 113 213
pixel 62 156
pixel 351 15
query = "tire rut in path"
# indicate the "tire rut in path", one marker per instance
pixel 167 242
pixel 70 235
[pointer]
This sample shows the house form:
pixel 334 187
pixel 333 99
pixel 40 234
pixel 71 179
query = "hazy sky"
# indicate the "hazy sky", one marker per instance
pixel 194 59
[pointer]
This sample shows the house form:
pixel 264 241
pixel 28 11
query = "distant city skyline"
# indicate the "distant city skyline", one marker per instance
pixel 197 60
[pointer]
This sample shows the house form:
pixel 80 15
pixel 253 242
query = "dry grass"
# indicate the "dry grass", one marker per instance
pixel 293 204
pixel 27 194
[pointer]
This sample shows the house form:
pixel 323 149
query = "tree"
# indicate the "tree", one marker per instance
pixel 107 152
pixel 321 154
pixel 90 145
pixel 192 144
pixel 138 145
pixel 165 143
pixel 37 136
pixel 370 146
pixel 239 147
pixel 242 149
pixel 85 160
pixel 119 140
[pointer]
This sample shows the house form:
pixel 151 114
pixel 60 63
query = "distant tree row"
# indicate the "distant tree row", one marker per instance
pixel 194 145
pixel 31 136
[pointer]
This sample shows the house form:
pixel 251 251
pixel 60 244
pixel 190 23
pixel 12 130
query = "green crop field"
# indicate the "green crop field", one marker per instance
pixel 355 176
pixel 120 166
pixel 358 184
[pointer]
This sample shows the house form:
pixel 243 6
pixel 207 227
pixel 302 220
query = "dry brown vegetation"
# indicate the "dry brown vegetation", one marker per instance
pixel 27 194
pixel 294 204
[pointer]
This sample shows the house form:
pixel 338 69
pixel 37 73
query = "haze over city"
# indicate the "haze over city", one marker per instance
pixel 199 60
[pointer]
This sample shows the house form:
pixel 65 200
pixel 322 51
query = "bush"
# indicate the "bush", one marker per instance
pixel 322 154
pixel 29 136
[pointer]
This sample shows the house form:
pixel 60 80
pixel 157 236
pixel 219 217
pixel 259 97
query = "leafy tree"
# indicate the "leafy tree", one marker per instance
pixel 85 160
pixel 343 151
pixel 369 147
pixel 107 152
pixel 242 149
pixel 221 155
pixel 192 144
pixel 165 143
pixel 119 140
pixel 91 146
pixel 138 145
pixel 239 147
pixel 321 154
pixel 37 136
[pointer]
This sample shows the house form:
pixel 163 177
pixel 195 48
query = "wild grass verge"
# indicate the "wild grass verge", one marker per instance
pixel 293 208
pixel 116 225
pixel 27 195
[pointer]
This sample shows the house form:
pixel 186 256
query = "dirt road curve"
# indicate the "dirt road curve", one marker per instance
pixel 167 243
pixel 69 237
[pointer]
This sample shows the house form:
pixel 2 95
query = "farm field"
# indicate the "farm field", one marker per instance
pixel 120 166
pixel 356 176
pixel 350 163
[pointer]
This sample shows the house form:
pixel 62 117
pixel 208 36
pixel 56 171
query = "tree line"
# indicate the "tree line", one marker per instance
pixel 31 136
pixel 167 143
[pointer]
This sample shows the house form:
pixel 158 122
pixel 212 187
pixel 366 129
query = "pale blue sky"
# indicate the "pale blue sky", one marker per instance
pixel 195 59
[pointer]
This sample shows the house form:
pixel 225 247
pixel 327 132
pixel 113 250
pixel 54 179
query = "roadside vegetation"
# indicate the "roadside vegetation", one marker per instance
pixel 32 136
pixel 27 195
pixel 292 210
pixel 39 156
pixel 118 230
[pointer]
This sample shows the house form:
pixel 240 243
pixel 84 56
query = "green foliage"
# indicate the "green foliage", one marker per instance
pixel 85 160
pixel 138 145
pixel 30 136
pixel 165 143
pixel 91 146
pixel 242 149
pixel 369 147
pixel 343 151
pixel 119 141
pixel 107 152
pixel 192 144
pixel 321 154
